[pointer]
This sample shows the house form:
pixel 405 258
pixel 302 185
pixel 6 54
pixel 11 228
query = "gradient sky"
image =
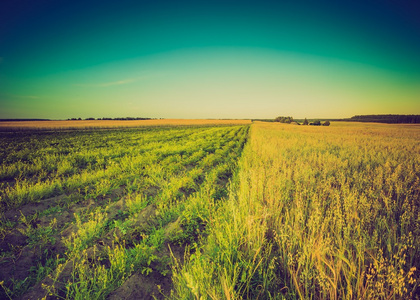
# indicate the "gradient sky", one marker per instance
pixel 208 59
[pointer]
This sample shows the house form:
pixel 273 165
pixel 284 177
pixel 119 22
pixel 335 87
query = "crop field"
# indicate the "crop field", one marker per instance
pixel 261 211
pixel 103 124
pixel 82 211
pixel 316 213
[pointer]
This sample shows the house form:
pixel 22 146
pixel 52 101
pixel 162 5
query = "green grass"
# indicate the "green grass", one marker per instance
pixel 124 188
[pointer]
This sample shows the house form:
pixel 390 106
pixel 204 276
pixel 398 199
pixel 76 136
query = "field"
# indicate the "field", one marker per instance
pixel 103 124
pixel 261 211
pixel 84 210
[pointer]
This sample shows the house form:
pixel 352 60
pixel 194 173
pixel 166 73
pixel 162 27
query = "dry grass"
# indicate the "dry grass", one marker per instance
pixel 86 124
pixel 315 212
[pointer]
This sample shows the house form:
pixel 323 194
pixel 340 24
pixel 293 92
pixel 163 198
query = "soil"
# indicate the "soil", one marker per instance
pixel 138 286
pixel 17 266
pixel 153 286
pixel 32 208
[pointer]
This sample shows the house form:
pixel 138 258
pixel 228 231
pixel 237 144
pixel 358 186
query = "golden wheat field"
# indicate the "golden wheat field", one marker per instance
pixel 316 213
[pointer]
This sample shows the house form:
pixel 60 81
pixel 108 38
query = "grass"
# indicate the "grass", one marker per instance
pixel 315 213
pixel 126 194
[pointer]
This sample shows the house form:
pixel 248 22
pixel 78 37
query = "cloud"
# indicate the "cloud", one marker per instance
pixel 106 84
pixel 119 82
pixel 26 96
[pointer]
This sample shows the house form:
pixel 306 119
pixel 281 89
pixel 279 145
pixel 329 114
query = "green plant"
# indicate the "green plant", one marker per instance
pixel 125 188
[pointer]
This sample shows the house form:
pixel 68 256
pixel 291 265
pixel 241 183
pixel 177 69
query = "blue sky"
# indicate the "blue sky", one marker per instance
pixel 208 59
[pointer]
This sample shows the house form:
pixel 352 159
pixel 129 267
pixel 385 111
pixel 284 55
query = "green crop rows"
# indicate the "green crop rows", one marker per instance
pixel 89 209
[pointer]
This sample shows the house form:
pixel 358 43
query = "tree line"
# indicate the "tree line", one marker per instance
pixel 393 119
pixel 290 120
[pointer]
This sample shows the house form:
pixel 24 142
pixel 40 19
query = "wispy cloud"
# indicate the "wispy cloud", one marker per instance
pixel 26 96
pixel 106 84
pixel 121 82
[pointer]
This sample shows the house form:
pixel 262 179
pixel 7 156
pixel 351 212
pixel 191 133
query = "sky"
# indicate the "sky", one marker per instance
pixel 208 59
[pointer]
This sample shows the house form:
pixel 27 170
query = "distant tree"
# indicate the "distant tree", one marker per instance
pixel 284 119
pixel 315 123
pixel 79 119
pixel 326 123
pixel 90 119
pixel 305 122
